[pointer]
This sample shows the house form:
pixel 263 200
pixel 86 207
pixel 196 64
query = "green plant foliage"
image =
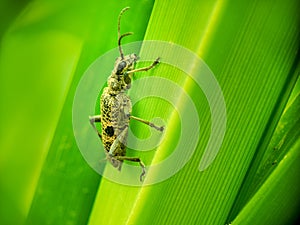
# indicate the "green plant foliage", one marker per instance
pixel 252 48
pixel 275 202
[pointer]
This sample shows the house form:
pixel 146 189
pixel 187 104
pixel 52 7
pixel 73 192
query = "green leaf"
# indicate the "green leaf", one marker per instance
pixel 275 202
pixel 284 138
pixel 251 51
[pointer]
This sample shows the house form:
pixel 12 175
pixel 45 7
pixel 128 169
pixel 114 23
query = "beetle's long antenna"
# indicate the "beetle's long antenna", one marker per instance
pixel 119 33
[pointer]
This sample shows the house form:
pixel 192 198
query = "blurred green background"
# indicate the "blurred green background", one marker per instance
pixel 252 48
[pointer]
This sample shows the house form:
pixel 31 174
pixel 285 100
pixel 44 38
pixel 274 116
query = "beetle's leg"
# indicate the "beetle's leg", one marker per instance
pixel 93 120
pixel 144 68
pixel 134 159
pixel 148 123
pixel 114 146
pixel 121 138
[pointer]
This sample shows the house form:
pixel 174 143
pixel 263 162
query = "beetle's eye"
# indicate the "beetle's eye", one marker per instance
pixel 121 66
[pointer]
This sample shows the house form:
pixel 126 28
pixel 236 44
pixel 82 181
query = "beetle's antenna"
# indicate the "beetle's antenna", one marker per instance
pixel 119 33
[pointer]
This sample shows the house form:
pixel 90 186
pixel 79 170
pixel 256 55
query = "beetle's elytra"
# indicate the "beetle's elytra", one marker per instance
pixel 115 107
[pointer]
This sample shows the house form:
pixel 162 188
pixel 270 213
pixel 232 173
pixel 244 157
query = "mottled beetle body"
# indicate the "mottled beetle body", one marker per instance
pixel 115 108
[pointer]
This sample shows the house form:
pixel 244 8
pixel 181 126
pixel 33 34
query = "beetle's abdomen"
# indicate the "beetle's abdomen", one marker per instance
pixel 115 116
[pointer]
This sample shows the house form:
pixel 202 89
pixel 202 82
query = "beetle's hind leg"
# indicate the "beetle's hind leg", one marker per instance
pixel 93 120
pixel 134 159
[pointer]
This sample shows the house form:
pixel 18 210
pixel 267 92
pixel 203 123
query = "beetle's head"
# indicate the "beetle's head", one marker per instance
pixel 122 65
pixel 119 79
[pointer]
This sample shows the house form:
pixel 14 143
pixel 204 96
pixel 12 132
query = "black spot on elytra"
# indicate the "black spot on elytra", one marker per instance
pixel 109 130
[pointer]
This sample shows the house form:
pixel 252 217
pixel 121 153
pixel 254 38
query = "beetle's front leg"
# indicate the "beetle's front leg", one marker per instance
pixel 144 68
pixel 159 128
pixel 93 120
pixel 134 159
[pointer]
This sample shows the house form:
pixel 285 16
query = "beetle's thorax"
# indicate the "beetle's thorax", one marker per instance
pixel 120 80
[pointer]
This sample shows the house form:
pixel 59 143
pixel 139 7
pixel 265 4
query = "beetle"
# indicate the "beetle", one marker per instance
pixel 116 107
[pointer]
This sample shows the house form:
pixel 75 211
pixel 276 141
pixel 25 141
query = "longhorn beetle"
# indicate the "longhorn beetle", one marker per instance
pixel 115 107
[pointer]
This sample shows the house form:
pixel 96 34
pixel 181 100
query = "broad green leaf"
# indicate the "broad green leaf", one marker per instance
pixel 252 51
